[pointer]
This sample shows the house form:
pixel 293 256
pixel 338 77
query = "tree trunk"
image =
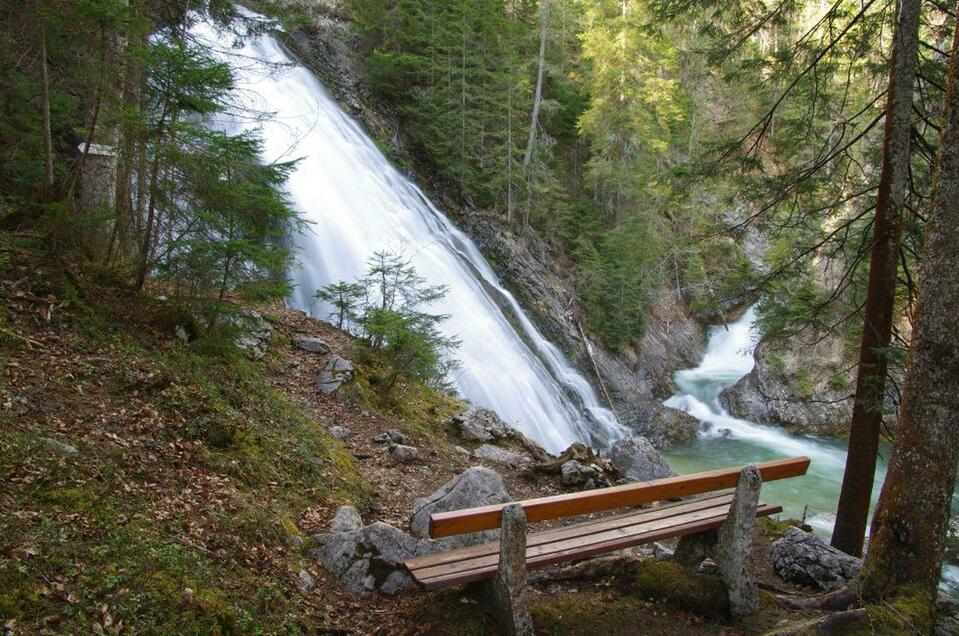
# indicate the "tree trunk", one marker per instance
pixel 45 109
pixel 856 494
pixel 538 97
pixel 912 518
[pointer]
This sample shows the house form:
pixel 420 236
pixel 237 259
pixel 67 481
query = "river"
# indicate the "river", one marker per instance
pixel 730 441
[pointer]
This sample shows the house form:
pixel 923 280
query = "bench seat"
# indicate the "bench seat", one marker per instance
pixel 581 540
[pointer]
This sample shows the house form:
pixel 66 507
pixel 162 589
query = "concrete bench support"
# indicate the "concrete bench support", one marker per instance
pixel 735 539
pixel 508 591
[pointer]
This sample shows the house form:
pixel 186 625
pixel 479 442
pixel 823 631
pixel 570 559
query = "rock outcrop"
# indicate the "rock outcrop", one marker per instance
pixel 476 486
pixel 636 458
pixel 370 559
pixel 311 344
pixel 802 557
pixel 482 425
pixel 335 372
pixel 802 389
pixel 497 455
pixel 254 331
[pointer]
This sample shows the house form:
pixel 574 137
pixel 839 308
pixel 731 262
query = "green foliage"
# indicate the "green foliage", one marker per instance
pixel 385 308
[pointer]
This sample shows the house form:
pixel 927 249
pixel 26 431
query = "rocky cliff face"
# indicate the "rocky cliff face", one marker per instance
pixel 801 388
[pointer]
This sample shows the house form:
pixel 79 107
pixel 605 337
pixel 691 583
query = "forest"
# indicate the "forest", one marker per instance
pixel 267 261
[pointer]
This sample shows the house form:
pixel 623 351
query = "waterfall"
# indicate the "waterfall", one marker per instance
pixel 730 441
pixel 357 203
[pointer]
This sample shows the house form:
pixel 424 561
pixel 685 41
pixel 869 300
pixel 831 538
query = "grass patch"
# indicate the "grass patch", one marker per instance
pixel 193 470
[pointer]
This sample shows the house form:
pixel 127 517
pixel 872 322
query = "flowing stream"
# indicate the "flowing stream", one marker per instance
pixel 357 203
pixel 729 441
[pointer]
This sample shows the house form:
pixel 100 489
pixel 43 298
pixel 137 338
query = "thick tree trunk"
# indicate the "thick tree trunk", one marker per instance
pixel 909 528
pixel 856 494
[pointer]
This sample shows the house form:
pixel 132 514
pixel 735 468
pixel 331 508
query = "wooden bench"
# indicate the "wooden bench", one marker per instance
pixel 732 514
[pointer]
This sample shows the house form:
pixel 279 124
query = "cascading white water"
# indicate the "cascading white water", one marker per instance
pixel 730 441
pixel 357 203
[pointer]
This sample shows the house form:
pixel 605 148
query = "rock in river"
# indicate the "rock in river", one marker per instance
pixel 802 557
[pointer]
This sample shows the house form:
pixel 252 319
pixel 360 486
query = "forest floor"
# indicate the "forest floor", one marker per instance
pixel 152 485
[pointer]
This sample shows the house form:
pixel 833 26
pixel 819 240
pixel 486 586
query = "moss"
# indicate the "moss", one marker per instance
pixel 908 612
pixel 680 586
pixel 776 528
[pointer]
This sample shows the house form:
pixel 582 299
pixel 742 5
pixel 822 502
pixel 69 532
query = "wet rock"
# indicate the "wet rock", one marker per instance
pixel 481 425
pixel 663 426
pixel 498 455
pixel 370 559
pixel 584 476
pixel 346 519
pixel 311 344
pixel 391 436
pixel 335 372
pixel 339 432
pixel 636 458
pixel 804 389
pixel 60 446
pixel 476 486
pixel 802 557
pixel 404 454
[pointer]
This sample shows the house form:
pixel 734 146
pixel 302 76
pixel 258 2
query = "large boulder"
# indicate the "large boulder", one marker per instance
pixel 636 458
pixel 334 373
pixel 370 559
pixel 481 425
pixel 663 426
pixel 476 486
pixel 804 558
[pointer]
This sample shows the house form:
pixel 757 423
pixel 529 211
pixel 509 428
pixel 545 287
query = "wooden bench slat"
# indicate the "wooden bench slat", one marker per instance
pixel 600 535
pixel 585 551
pixel 488 517
pixel 579 529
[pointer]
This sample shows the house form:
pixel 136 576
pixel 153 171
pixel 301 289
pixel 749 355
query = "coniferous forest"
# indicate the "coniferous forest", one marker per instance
pixel 281 279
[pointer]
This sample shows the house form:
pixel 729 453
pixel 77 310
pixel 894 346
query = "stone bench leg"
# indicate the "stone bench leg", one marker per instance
pixel 735 538
pixel 507 590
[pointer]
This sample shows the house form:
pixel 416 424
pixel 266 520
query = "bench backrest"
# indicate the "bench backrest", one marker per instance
pixel 445 524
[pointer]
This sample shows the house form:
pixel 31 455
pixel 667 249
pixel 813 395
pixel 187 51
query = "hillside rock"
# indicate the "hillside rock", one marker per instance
pixel 404 454
pixel 346 519
pixel 481 425
pixel 311 344
pixel 335 372
pixel 476 486
pixel 390 436
pixel 498 455
pixel 636 458
pixel 370 559
pixel 584 476
pixel 254 332
pixel 802 557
